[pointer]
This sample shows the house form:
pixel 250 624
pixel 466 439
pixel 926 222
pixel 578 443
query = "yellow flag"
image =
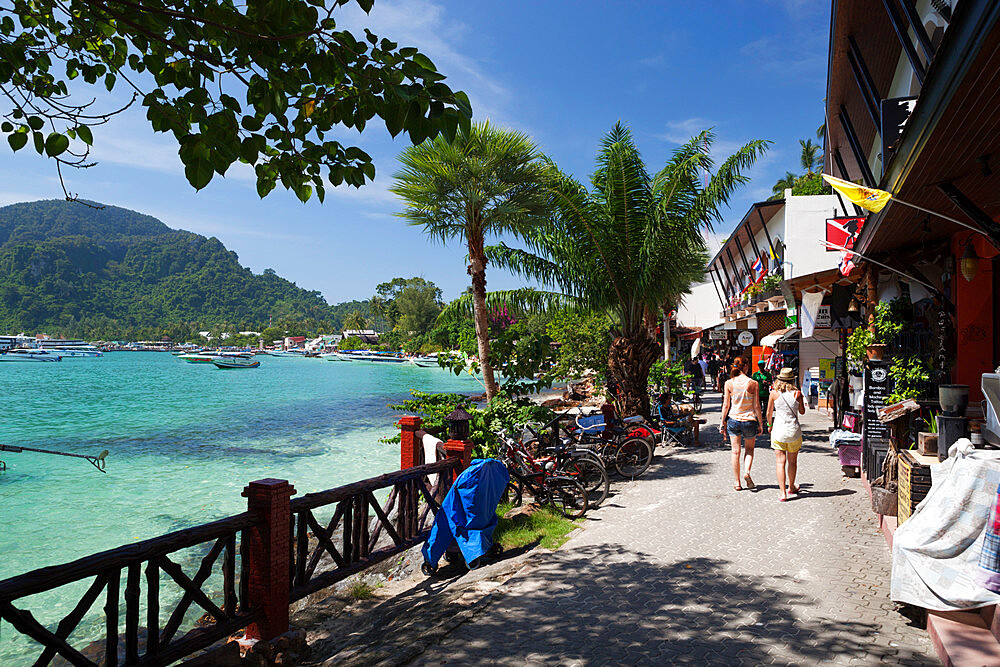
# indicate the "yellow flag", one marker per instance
pixel 869 198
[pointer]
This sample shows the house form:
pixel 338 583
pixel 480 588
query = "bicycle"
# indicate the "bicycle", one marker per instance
pixel 539 479
pixel 630 455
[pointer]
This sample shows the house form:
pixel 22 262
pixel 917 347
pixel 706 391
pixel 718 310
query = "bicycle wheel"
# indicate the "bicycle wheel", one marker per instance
pixel 568 496
pixel 591 475
pixel 634 457
pixel 512 494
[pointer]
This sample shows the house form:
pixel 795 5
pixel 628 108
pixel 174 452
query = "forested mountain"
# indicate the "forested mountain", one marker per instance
pixel 108 273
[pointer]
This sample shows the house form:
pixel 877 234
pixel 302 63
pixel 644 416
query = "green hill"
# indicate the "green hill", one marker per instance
pixel 107 273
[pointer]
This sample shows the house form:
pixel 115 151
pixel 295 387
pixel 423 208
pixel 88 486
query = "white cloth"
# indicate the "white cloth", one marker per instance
pixel 810 310
pixel 695 347
pixel 786 427
pixel 935 553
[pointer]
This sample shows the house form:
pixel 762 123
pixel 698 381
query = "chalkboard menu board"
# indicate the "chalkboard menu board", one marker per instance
pixel 875 433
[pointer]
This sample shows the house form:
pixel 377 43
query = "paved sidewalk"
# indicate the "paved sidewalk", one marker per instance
pixel 679 567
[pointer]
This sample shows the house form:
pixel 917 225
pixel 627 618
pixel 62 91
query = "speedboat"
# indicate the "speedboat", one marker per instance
pixel 23 354
pixel 199 357
pixel 76 351
pixel 294 352
pixel 330 356
pixel 235 360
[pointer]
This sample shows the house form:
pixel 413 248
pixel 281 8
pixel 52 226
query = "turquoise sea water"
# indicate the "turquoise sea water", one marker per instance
pixel 184 439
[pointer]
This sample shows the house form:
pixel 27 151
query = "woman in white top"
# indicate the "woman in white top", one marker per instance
pixel 784 406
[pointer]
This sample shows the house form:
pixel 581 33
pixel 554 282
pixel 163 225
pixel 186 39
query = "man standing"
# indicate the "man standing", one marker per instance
pixel 763 379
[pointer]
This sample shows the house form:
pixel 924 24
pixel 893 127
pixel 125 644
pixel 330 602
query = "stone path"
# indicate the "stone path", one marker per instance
pixel 679 567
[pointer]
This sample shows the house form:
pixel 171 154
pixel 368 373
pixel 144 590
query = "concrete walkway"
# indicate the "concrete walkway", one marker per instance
pixel 679 567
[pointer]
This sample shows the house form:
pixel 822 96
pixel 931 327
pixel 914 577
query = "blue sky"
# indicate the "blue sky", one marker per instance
pixel 562 71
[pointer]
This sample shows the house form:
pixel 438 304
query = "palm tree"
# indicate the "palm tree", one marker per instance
pixel 785 182
pixel 812 156
pixel 629 244
pixel 488 181
pixel 377 306
pixel 355 321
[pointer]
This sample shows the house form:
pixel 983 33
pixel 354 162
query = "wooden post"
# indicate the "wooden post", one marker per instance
pixel 871 294
pixel 460 449
pixel 268 553
pixel 409 444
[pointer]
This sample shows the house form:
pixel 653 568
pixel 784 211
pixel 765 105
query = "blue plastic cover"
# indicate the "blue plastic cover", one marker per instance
pixel 468 514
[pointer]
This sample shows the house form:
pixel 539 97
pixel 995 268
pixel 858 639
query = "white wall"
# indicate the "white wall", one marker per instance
pixel 701 308
pixel 805 229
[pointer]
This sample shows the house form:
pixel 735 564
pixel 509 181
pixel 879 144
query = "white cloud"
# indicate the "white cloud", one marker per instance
pixel 433 30
pixel 681 131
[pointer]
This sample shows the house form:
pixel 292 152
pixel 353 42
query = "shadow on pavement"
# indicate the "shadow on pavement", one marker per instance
pixel 600 604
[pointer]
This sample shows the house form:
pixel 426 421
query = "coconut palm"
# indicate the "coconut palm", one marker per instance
pixel 487 182
pixel 785 182
pixel 812 156
pixel 355 321
pixel 627 245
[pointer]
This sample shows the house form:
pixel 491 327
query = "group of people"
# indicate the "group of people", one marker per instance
pixel 747 400
pixel 708 369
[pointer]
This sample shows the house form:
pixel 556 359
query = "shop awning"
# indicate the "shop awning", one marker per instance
pixel 780 336
pixel 691 335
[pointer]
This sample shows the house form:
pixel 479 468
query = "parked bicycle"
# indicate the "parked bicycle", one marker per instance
pixel 542 481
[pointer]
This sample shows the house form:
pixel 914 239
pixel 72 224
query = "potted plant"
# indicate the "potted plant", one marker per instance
pixel 927 441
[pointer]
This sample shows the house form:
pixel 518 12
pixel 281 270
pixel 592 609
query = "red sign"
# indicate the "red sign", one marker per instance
pixel 843 232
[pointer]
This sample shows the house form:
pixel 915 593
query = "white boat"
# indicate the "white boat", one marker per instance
pixel 22 354
pixel 294 352
pixel 330 356
pixel 235 360
pixel 198 357
pixel 76 351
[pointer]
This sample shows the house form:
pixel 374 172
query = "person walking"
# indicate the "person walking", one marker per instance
pixel 784 405
pixel 763 379
pixel 741 420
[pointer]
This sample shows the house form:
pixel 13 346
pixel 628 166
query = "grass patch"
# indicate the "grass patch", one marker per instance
pixel 361 590
pixel 546 527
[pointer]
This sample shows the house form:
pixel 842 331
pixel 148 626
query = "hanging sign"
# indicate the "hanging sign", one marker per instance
pixel 823 318
pixel 745 338
pixel 718 334
pixel 843 232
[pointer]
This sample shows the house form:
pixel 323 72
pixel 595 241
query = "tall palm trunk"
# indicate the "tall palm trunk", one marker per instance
pixel 629 361
pixel 477 269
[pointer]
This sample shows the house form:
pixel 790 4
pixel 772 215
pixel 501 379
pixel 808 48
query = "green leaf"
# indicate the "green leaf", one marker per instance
pixel 199 172
pixel 17 140
pixel 36 123
pixel 424 62
pixel 56 144
pixel 84 133
pixel 39 142
pixel 7 126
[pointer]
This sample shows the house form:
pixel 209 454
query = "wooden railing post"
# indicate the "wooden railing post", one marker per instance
pixel 409 444
pixel 268 554
pixel 460 449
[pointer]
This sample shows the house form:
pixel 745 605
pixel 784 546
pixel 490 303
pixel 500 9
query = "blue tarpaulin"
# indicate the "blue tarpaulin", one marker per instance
pixel 468 514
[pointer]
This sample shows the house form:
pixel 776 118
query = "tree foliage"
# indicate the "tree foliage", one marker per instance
pixel 264 83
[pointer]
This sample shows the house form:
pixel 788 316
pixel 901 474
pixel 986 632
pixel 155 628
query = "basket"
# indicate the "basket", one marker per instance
pixel 849 455
pixel 914 484
pixel 885 501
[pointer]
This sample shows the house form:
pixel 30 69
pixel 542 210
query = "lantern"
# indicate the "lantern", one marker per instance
pixel 458 424
pixel 969 263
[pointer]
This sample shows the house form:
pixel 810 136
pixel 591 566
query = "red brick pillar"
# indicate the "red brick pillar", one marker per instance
pixel 460 449
pixel 269 553
pixel 410 445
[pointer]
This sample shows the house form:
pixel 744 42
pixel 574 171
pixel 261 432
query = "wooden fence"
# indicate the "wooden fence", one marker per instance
pixel 270 556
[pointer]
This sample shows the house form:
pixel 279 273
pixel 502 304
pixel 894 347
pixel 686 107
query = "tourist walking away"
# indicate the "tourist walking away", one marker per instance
pixel 763 379
pixel 784 406
pixel 741 419
pixel 713 371
pixel 703 362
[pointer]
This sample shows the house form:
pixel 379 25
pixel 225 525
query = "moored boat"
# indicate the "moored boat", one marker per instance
pixel 24 354
pixel 426 360
pixel 230 360
pixel 198 357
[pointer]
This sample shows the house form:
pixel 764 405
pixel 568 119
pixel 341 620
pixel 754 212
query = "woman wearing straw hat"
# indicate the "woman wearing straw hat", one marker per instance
pixel 784 406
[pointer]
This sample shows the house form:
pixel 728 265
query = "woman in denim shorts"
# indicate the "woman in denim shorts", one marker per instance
pixel 741 420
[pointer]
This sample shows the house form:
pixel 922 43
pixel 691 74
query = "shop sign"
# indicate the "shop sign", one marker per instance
pixel 876 434
pixel 718 334
pixel 745 338
pixel 843 232
pixel 823 318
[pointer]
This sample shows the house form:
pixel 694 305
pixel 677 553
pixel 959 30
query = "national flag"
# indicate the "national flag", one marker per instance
pixel 868 198
pixel 846 263
pixel 758 269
